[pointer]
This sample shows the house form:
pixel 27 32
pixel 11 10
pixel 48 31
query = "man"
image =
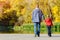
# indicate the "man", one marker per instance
pixel 36 18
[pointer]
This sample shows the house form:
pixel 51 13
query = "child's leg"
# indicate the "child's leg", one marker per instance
pixel 49 30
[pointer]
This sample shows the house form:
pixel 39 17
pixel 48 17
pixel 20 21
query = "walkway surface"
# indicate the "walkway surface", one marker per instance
pixel 28 37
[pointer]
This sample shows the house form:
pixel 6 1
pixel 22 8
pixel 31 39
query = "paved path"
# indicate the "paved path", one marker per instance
pixel 28 37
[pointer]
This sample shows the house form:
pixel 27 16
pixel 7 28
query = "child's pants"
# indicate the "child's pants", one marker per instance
pixel 49 30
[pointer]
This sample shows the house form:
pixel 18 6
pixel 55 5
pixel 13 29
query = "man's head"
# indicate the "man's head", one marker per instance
pixel 37 5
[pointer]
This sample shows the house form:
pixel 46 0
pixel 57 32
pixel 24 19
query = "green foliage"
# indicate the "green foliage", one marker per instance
pixel 29 28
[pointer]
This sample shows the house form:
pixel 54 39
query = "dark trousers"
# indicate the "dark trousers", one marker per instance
pixel 49 30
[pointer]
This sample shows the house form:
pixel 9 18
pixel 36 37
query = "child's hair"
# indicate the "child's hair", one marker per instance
pixel 48 16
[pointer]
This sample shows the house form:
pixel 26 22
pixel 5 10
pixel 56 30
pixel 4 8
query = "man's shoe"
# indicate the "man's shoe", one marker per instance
pixel 35 35
pixel 49 35
pixel 38 35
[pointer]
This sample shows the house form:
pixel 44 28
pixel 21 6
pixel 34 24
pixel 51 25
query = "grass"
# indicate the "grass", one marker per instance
pixel 29 28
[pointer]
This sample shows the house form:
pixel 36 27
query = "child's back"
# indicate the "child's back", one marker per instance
pixel 48 21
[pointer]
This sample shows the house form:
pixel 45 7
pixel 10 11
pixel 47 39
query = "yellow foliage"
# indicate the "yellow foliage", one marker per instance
pixel 55 9
pixel 25 7
pixel 23 11
pixel 57 19
pixel 55 13
pixel 0 15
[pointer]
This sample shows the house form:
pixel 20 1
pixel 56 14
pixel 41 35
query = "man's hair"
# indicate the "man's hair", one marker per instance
pixel 37 4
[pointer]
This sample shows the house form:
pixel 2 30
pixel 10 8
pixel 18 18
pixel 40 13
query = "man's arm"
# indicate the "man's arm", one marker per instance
pixel 42 15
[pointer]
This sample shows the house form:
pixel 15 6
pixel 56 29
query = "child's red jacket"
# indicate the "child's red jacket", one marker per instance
pixel 48 22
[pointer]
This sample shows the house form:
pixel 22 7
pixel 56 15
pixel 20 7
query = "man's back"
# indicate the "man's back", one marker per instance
pixel 37 15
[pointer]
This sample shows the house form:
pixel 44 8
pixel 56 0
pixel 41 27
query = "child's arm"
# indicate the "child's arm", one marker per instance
pixel 51 22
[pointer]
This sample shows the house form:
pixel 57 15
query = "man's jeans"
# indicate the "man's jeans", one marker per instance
pixel 37 28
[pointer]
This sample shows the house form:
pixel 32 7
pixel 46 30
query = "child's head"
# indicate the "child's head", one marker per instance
pixel 47 16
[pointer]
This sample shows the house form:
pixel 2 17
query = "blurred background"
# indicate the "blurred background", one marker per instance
pixel 16 15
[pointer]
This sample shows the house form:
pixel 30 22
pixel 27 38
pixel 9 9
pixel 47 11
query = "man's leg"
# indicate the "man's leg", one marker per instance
pixel 35 29
pixel 38 29
pixel 49 31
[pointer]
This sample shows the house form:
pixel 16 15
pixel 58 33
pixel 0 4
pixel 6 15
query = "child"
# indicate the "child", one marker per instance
pixel 48 22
